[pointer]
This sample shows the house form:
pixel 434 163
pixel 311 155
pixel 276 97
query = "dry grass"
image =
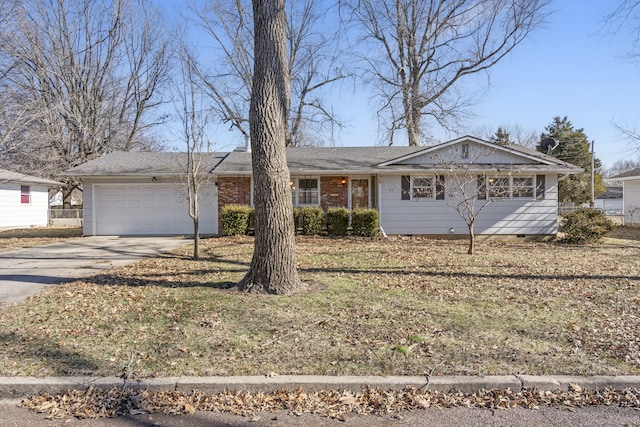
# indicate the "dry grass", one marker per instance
pixel 37 236
pixel 403 306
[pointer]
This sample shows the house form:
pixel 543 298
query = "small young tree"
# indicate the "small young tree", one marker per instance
pixel 467 186
pixel 194 116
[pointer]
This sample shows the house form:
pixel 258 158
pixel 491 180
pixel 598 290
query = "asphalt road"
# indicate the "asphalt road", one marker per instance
pixel 11 415
pixel 26 271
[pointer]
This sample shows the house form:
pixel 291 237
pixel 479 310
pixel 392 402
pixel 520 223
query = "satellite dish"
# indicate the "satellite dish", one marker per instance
pixel 549 144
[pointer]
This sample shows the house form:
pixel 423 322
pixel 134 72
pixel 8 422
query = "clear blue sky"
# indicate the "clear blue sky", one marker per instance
pixel 566 68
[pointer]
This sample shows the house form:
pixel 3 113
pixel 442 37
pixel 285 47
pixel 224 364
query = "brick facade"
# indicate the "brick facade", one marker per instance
pixel 333 193
pixel 233 190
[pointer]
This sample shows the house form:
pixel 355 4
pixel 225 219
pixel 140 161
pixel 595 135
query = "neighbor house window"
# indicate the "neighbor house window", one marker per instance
pixel 307 191
pixel 523 187
pixel 25 194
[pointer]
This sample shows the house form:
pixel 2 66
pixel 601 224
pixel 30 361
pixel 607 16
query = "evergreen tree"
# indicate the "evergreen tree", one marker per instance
pixel 574 147
pixel 501 137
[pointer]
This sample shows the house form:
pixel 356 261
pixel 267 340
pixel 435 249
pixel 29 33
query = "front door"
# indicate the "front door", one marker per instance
pixel 359 193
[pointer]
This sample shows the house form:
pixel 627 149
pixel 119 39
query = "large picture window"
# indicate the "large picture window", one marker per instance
pixel 507 187
pixel 499 187
pixel 523 187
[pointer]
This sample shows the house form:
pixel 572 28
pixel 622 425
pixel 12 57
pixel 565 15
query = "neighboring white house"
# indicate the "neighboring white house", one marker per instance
pixel 630 196
pixel 413 188
pixel 24 199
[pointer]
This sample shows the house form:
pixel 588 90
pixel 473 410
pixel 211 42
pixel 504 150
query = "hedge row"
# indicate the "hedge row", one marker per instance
pixel 309 221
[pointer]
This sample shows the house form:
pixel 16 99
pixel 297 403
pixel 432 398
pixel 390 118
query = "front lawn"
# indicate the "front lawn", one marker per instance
pixel 406 306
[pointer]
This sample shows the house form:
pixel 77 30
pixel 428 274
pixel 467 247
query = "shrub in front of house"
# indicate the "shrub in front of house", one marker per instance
pixel 365 222
pixel 235 219
pixel 337 221
pixel 585 226
pixel 309 220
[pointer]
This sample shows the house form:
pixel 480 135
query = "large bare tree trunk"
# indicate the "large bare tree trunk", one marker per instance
pixel 273 267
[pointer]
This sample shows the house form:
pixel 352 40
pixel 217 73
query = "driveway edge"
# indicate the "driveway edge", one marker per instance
pixel 18 387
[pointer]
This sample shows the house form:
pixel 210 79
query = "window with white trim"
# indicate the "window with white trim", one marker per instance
pixel 506 187
pixel 306 191
pixel 25 194
pixel 499 187
pixel 422 187
pixel 523 187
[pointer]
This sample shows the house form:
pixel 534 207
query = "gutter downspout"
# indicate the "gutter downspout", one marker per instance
pixel 379 204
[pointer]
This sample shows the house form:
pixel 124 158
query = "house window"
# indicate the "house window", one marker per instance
pixel 307 192
pixel 422 187
pixel 523 187
pixel 498 187
pixel 25 194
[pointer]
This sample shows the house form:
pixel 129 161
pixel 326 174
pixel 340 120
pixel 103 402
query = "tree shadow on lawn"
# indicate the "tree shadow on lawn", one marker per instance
pixel 454 274
pixel 57 359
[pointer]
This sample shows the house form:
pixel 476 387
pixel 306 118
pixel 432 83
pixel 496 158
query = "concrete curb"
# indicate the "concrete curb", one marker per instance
pixel 17 387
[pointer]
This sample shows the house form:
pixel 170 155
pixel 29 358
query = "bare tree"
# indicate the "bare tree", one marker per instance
pixel 273 266
pixel 194 117
pixel 425 47
pixel 87 73
pixel 312 64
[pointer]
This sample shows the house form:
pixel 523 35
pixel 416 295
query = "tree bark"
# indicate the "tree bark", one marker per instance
pixel 273 266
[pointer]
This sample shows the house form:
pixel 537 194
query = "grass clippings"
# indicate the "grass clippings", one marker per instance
pixel 97 403
pixel 13 239
pixel 406 306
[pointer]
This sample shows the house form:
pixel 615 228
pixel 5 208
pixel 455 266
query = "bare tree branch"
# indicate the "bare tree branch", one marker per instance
pixel 425 47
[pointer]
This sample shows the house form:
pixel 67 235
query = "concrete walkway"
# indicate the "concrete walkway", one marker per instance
pixel 26 271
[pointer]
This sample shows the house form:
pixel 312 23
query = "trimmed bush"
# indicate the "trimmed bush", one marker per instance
pixel 337 221
pixel 365 222
pixel 235 219
pixel 585 226
pixel 309 220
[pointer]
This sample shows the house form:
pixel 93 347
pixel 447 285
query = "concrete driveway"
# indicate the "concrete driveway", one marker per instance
pixel 27 271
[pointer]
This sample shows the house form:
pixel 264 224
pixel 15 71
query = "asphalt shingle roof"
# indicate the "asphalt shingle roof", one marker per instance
pixel 633 172
pixel 300 160
pixel 10 176
pixel 122 163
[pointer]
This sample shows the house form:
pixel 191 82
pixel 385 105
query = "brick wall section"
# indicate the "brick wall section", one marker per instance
pixel 333 193
pixel 233 190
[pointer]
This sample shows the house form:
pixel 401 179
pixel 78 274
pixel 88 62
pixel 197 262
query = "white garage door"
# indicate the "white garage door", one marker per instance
pixel 150 209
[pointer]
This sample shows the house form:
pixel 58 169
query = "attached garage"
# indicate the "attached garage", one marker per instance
pixel 150 209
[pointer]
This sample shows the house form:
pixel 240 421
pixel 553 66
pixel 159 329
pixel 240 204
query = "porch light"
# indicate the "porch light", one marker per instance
pixel 451 230
pixel 343 180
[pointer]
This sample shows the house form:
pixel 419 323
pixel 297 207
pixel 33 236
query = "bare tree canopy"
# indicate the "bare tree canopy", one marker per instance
pixel 418 50
pixel 312 59
pixel 273 266
pixel 86 74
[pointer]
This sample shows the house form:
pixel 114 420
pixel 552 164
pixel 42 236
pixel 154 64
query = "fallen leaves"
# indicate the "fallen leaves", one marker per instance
pixel 97 403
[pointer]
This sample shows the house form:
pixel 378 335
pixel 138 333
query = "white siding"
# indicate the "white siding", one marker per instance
pixel 437 217
pixel 478 154
pixel 144 208
pixel 631 196
pixel 13 213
